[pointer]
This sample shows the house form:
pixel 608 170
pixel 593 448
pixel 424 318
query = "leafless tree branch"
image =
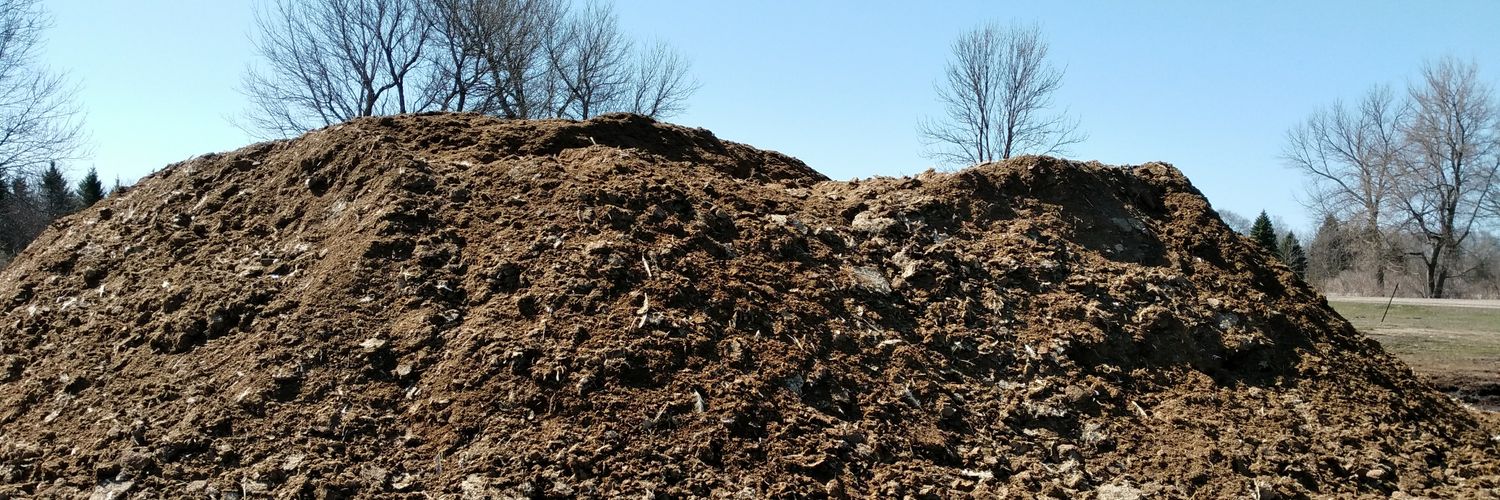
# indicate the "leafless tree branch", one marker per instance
pixel 996 94
pixel 1448 174
pixel 328 61
pixel 591 61
pixel 39 121
pixel 660 84
pixel 1350 157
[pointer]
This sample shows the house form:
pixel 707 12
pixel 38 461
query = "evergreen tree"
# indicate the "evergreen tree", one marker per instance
pixel 56 195
pixel 19 187
pixel 1263 233
pixel 1331 251
pixel 90 190
pixel 1292 254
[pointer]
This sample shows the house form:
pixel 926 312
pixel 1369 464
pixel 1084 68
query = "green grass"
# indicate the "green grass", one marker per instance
pixel 1458 319
pixel 1458 345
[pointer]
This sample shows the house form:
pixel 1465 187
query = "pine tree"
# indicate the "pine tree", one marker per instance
pixel 1330 252
pixel 90 190
pixel 1292 254
pixel 56 195
pixel 1263 233
pixel 20 188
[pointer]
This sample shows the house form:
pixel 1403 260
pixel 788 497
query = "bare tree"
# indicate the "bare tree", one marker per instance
pixel 512 40
pixel 328 61
pixel 456 80
pixel 39 122
pixel 539 60
pixel 996 92
pixel 1235 221
pixel 1351 157
pixel 591 59
pixel 660 85
pixel 1449 169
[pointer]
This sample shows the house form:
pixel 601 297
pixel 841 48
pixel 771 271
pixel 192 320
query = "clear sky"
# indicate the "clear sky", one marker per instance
pixel 1211 87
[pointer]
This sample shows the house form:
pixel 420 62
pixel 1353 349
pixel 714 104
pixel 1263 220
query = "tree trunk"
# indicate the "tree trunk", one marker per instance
pixel 1375 245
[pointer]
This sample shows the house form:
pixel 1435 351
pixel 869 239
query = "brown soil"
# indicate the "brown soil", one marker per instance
pixel 450 305
pixel 1477 388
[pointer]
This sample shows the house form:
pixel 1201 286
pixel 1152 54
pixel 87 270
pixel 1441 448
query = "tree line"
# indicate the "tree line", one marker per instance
pixel 39 127
pixel 329 61
pixel 39 123
pixel 1286 247
pixel 1263 231
pixel 1404 183
pixel 28 203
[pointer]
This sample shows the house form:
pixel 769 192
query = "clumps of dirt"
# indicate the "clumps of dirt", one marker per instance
pixel 454 305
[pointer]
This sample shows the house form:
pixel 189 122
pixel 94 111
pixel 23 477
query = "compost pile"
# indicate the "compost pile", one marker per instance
pixel 456 305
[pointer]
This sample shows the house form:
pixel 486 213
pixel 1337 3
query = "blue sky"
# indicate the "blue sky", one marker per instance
pixel 1211 87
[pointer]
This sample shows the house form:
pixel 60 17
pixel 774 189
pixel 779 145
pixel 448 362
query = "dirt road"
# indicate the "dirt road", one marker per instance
pixel 1413 301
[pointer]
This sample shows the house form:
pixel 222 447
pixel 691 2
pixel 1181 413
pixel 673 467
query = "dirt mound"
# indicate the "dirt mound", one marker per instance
pixel 449 305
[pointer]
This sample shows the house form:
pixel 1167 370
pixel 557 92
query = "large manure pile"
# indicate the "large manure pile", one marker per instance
pixel 454 305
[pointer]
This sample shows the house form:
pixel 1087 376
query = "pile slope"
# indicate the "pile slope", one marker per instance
pixel 456 305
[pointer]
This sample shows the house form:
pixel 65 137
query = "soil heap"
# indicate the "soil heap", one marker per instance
pixel 455 305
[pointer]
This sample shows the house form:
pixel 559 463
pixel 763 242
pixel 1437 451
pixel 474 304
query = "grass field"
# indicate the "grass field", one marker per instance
pixel 1455 348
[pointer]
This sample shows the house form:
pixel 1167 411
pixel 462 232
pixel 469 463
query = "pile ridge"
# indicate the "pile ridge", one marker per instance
pixel 458 305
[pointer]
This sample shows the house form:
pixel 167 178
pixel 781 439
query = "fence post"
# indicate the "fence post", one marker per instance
pixel 1388 302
